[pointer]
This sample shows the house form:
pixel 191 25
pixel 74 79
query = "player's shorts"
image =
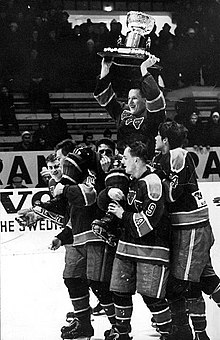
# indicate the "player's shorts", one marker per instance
pixel 75 262
pixel 190 252
pixel 129 276
pixel 100 258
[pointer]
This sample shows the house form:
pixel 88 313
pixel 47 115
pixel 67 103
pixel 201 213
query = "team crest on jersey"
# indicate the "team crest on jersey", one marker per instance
pixel 150 209
pixel 174 180
pixel 139 221
pixel 131 197
pixel 199 199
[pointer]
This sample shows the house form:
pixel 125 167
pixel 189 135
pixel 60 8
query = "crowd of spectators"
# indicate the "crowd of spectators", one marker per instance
pixel 201 131
pixel 47 136
pixel 41 53
pixel 40 48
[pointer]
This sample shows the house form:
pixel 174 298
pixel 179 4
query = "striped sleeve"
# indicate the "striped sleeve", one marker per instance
pixel 104 92
pixel 155 100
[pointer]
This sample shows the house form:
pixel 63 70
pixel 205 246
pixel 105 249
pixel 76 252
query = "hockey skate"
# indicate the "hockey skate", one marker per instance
pixel 76 330
pixel 70 316
pixel 98 310
pixel 113 334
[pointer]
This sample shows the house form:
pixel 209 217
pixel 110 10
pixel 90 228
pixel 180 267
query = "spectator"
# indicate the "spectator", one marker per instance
pixel 7 111
pixel 57 128
pixel 40 138
pixel 212 135
pixel 16 183
pixel 38 91
pixel 190 61
pixel 165 35
pixel 26 143
pixel 169 59
pixel 35 43
pixel 88 140
pixel 102 37
pixel 115 36
pixel 107 133
pixel 195 132
pixel 65 27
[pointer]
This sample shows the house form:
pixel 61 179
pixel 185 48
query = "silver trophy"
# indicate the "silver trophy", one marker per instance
pixel 136 48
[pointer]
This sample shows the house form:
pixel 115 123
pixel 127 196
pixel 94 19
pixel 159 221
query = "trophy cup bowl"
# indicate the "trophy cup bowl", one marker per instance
pixel 137 44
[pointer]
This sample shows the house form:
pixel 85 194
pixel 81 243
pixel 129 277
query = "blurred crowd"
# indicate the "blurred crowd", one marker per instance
pixel 40 50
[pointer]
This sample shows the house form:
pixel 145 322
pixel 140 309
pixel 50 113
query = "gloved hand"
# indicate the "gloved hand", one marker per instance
pixel 150 61
pixel 99 229
pixel 55 244
pixel 27 217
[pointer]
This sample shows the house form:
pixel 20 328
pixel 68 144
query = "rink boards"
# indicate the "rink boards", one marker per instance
pixel 36 239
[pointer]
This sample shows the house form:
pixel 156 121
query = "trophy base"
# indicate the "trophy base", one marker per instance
pixel 127 56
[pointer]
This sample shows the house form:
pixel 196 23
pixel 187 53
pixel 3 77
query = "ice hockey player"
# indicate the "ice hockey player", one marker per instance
pixel 192 237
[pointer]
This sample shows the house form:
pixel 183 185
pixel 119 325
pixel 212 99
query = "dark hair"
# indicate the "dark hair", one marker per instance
pixel 139 149
pixel 175 133
pixel 137 85
pixel 51 158
pixel 109 142
pixel 86 135
pixel 107 132
pixel 55 109
pixel 67 145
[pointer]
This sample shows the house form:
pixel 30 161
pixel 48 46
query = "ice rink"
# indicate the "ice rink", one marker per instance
pixel 34 300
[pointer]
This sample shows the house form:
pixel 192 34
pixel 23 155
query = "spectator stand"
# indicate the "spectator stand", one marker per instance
pixel 80 111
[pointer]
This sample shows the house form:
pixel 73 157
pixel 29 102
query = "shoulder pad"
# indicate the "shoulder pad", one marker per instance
pixel 177 159
pixel 154 186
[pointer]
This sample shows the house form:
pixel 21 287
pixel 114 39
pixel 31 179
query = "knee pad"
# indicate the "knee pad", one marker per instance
pixel 102 292
pixel 209 284
pixel 176 288
pixel 194 291
pixel 76 286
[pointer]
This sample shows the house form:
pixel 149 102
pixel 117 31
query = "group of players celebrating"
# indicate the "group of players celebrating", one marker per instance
pixel 133 220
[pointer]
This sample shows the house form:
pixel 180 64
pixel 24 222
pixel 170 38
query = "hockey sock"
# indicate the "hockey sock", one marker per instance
pixel 79 294
pixel 123 311
pixel 196 310
pixel 161 313
pixel 105 297
pixel 180 319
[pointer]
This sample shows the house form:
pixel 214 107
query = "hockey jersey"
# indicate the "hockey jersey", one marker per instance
pixel 192 235
pixel 188 208
pixel 129 127
pixel 145 235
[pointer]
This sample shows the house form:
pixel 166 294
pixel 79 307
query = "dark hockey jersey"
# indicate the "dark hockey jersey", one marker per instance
pixel 145 235
pixel 188 208
pixel 130 128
